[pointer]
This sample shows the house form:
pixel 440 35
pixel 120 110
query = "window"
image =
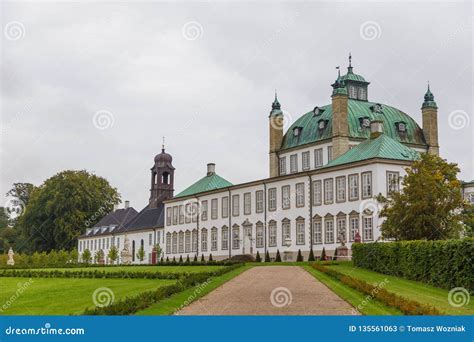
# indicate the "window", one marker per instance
pixel 272 199
pixel 300 195
pixel 364 122
pixel 317 231
pixel 225 207
pixel 204 240
pixel 259 201
pixel 353 187
pixel 471 198
pixel 285 197
pixel 328 191
pixel 329 222
pixel 118 243
pixel 150 240
pixel 187 241
pixel 297 131
pixel 175 243
pixel 285 231
pixel 225 238
pixel 235 205
pixel 204 210
pixel 175 215
pixel 317 192
pixel 341 229
pixel 194 240
pixel 318 157
pixel 321 124
pixel 392 182
pixel 272 234
pixel 300 232
pixel 352 92
pixel 401 127
pixel 368 228
pixel 194 211
pixel 214 239
pixel 187 213
pixel 181 242
pixel 247 203
pixel 282 165
pixel 214 208
pixel 294 163
pixel 168 216
pixel 181 214
pixel 259 241
pixel 354 227
pixel 340 189
pixel 329 153
pixel 362 95
pixel 235 237
pixel 168 243
pixel 305 157
pixel 366 184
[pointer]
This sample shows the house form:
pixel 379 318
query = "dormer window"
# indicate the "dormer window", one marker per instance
pixel 401 127
pixel 321 124
pixel 317 111
pixel 353 92
pixel 377 108
pixel 362 94
pixel 297 131
pixel 364 122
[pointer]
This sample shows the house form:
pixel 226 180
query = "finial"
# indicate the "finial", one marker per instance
pixel 349 68
pixel 338 71
pixel 276 105
pixel 163 145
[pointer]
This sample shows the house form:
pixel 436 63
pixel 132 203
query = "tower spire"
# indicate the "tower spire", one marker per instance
pixel 349 68
pixel 276 105
pixel 163 145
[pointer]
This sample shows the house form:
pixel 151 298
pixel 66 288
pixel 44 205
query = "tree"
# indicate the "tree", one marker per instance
pixel 187 259
pixel 99 256
pixel 180 259
pixel 323 254
pixel 62 208
pixel 86 256
pixel 74 256
pixel 278 257
pixel 113 254
pixel 258 258
pixel 141 253
pixel 468 219
pixel 195 258
pixel 299 257
pixel 311 255
pixel 158 250
pixel 210 257
pixel 335 254
pixel 167 259
pixel 202 258
pixel 430 205
pixel 21 192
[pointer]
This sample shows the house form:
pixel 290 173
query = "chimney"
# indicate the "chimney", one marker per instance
pixel 127 204
pixel 376 128
pixel 115 207
pixel 211 169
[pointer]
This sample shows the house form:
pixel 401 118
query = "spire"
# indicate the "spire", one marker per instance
pixel 276 105
pixel 429 98
pixel 339 85
pixel 163 145
pixel 349 68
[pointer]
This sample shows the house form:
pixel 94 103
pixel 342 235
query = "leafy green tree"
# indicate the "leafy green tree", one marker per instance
pixel 86 256
pixel 278 257
pixel 98 256
pixel 468 219
pixel 299 257
pixel 141 254
pixel 74 256
pixel 158 250
pixel 113 254
pixel 22 192
pixel 63 207
pixel 258 258
pixel 430 205
pixel 311 255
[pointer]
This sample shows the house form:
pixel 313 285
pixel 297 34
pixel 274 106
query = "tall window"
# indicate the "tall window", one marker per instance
pixel 225 207
pixel 194 240
pixel 340 189
pixel 368 228
pixel 175 243
pixel 353 187
pixel 341 229
pixel 300 195
pixel 235 205
pixel 318 157
pixel 150 240
pixel 300 232
pixel 317 192
pixel 294 163
pixel 225 238
pixel 392 182
pixel 259 235
pixel 247 203
pixel 168 216
pixel 187 241
pixel 181 214
pixel 329 225
pixel 194 211
pixel 329 153
pixel 204 210
pixel 175 215
pixel 285 197
pixel 235 237
pixel 352 92
pixel 285 231
pixel 354 227
pixel 366 184
pixel 181 242
pixel 204 240
pixel 272 234
pixel 328 191
pixel 305 157
pixel 317 231
pixel 214 208
pixel 259 201
pixel 187 213
pixel 272 199
pixel 282 165
pixel 214 239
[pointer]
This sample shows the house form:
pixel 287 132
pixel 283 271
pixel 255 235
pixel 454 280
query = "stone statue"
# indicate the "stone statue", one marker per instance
pixel 10 261
pixel 126 254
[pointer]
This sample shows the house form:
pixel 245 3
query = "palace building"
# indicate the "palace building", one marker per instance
pixel 324 174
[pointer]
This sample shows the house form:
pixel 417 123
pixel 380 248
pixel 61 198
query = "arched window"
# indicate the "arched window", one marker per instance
pixel 194 238
pixel 300 233
pixel 187 239
pixel 317 230
pixel 259 235
pixel 341 227
pixel 214 239
pixel 204 240
pixel 165 178
pixel 175 243
pixel 225 238
pixel 181 242
pixel 285 231
pixel 168 243
pixel 329 228
pixel 235 237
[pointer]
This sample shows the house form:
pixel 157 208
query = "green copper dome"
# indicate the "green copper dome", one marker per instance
pixel 359 114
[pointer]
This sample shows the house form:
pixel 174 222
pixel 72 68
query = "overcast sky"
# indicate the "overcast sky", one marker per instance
pixel 96 86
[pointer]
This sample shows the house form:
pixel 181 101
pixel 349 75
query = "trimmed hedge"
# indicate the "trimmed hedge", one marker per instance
pixel 407 306
pixel 441 263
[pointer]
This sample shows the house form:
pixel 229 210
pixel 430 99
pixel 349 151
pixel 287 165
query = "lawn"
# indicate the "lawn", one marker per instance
pixel 162 269
pixel 414 290
pixel 64 296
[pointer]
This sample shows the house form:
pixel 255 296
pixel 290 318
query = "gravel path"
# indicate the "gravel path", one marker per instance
pixel 271 290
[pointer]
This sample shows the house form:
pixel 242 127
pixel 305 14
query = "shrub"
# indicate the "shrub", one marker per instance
pixel 311 255
pixel 267 257
pixel 187 259
pixel 323 254
pixel 258 258
pixel 335 254
pixel 442 263
pixel 210 258
pixel 195 258
pixel 278 257
pixel 299 257
pixel 180 259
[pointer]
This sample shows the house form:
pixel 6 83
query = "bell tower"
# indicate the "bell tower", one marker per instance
pixel 429 113
pixel 162 178
pixel 276 123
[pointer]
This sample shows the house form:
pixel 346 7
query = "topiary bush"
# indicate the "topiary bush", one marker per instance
pixel 311 255
pixel 278 257
pixel 299 257
pixel 267 257
pixel 258 258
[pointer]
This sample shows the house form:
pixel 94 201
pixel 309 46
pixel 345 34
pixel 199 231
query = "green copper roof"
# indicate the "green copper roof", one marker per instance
pixel 208 183
pixel 429 99
pixel 381 147
pixel 356 111
pixel 350 76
